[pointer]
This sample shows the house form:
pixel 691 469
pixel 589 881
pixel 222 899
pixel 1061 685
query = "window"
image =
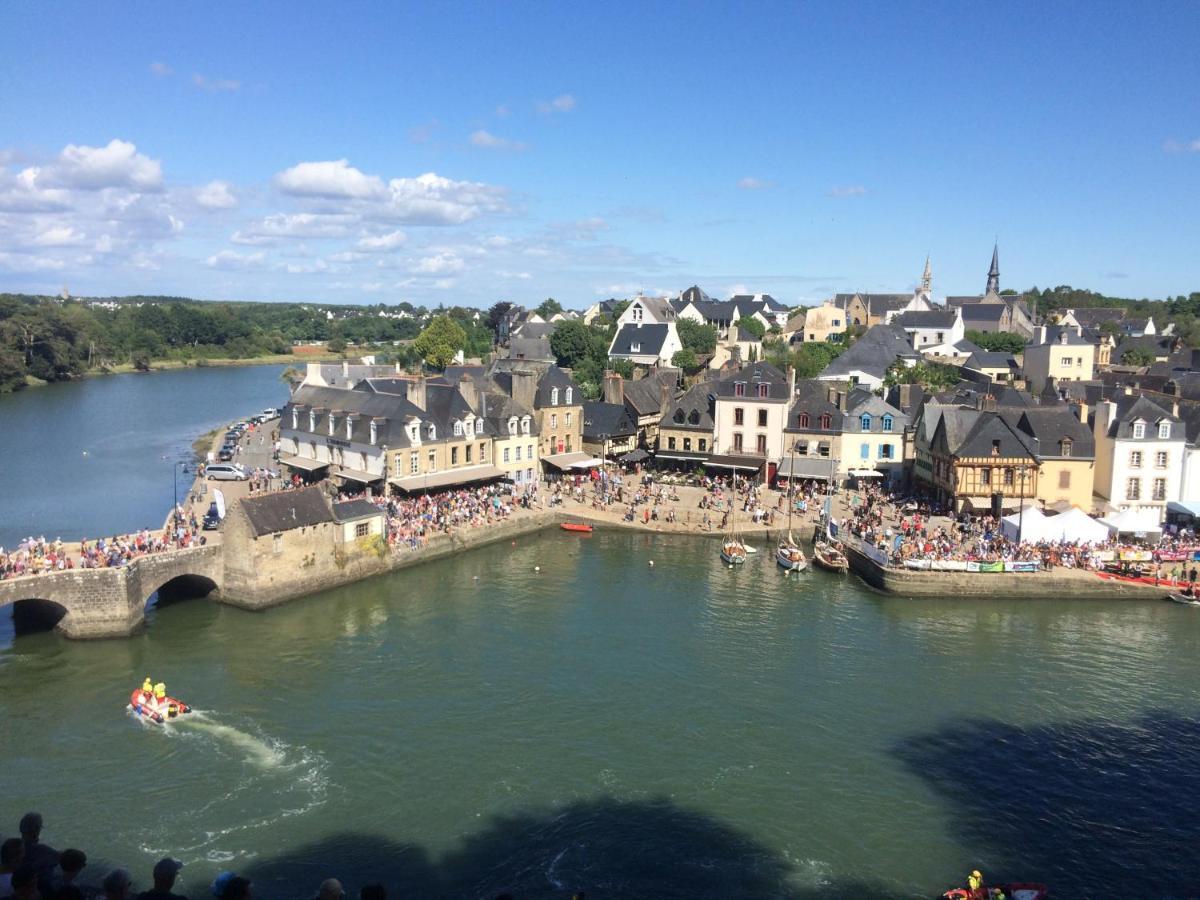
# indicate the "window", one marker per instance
pixel 865 422
pixel 454 456
pixel 1135 459
pixel 739 389
pixel 1064 480
pixel 678 417
pixel 801 447
pixel 1064 447
pixel 687 443
pixel 1133 489
pixel 277 543
pixel 739 416
pixel 295 418
pixel 362 529
pixel 467 454
pixel 826 421
pixel 941 336
pixel 482 452
pixel 985 476
pixel 432 461
pixel 479 426
pixel 703 445
pixel 332 422
pixel 694 417
pixel 506 453
pixel 865 450
pixel 996 447
pixel 670 443
pixel 737 441
pixel 1066 362
pixel 414 465
pixel 1164 431
pixel 312 420
pixel 837 323
pixel 1139 430
pixel 518 453
pixel 803 420
pixel 554 396
pixel 764 390
pixel 528 452
pixel 823 449
pixel 885 451
pixel 761 443
pixel 762 418
pixel 887 423
pixel 432 431
pixel 458 429
pixel 525 425
pixel 374 433
pixel 1008 476
pixel 568 396
pixel 567 420
pixel 554 420
pixel 512 425
pixel 1160 459
pixel 1160 489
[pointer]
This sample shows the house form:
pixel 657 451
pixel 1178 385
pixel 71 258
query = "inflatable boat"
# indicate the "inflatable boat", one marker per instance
pixel 581 527
pixel 168 708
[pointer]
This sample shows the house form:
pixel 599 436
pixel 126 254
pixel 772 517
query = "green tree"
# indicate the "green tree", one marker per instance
pixel 571 343
pixel 496 313
pixel 932 376
pixel 696 336
pixel 998 341
pixel 549 307
pixel 1137 356
pixel 752 325
pixel 685 359
pixel 440 341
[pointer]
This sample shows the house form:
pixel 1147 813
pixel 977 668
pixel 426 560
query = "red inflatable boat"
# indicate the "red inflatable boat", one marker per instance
pixel 576 526
pixel 168 708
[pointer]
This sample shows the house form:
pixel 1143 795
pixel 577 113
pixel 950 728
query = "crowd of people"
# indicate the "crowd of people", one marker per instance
pixel 412 521
pixel 33 870
pixel 38 556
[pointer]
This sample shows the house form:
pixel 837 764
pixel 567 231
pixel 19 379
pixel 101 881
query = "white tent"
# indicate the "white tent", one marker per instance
pixel 1075 525
pixel 1129 521
pixel 1031 525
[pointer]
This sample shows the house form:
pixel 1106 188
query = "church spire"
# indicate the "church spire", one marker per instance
pixel 993 282
pixel 927 277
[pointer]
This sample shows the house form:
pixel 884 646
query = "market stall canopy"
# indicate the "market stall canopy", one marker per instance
pixel 466 475
pixel 810 467
pixel 300 462
pixel 565 461
pixel 635 455
pixel 687 455
pixel 591 462
pixel 1031 524
pixel 1076 525
pixel 358 475
pixel 1134 522
pixel 733 461
pixel 866 473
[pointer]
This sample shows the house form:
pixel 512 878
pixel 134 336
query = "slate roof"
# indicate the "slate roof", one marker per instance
pixel 1094 317
pixel 694 294
pixel 643 395
pixel 813 398
pixel 554 377
pixel 287 510
pixel 1050 425
pixel 765 301
pixel 992 359
pixel 696 407
pixel 1157 344
pixel 877 303
pixel 534 330
pixel 649 338
pixel 391 412
pixel 984 313
pixel 973 433
pixel 1055 333
pixel 863 403
pixel 602 419
pixel 1130 408
pixel 530 348
pixel 659 308
pixel 925 318
pixel 872 353
pixel 753 375
pixel 350 510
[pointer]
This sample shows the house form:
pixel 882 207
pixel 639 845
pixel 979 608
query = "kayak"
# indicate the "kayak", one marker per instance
pixel 168 708
pixel 576 526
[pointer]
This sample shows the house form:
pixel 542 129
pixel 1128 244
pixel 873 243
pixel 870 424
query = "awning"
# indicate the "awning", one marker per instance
pixel 805 467
pixel 564 461
pixel 303 463
pixel 1184 508
pixel 591 462
pixel 358 475
pixel 731 461
pixel 635 455
pixel 865 473
pixel 434 480
pixel 686 455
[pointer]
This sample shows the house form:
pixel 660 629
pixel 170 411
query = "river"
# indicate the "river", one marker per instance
pixel 472 726
pixel 95 457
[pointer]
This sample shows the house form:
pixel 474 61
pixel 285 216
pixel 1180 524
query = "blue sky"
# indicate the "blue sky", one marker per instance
pixel 446 153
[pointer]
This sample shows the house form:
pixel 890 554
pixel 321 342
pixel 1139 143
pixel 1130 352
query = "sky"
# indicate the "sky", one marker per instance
pixel 468 153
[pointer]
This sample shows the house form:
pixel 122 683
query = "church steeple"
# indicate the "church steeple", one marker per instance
pixel 927 277
pixel 993 282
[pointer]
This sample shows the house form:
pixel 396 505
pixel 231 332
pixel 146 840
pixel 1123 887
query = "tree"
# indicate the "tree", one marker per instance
pixel 998 341
pixel 1108 326
pixel 684 359
pixel 696 336
pixel 496 313
pixel 753 326
pixel 549 307
pixel 440 341
pixel 932 376
pixel 1137 356
pixel 571 343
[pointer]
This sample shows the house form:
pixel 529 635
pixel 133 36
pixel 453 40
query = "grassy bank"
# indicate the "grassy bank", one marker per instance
pixel 163 365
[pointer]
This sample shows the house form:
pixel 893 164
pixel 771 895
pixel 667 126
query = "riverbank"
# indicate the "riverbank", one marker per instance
pixel 174 365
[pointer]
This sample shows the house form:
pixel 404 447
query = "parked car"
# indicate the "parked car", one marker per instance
pixel 225 454
pixel 225 472
pixel 270 413
pixel 212 518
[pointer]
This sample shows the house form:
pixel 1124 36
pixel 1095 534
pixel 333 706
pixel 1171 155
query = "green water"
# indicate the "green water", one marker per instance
pixel 682 730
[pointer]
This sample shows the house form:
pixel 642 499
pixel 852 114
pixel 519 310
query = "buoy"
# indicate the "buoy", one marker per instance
pixel 652 564
pixel 537 568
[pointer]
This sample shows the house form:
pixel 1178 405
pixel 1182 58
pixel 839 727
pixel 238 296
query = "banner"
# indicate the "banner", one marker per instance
pixel 1136 556
pixel 1023 566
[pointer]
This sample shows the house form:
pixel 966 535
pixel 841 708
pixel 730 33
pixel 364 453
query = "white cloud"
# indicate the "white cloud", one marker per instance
pixel 59 236
pixel 489 141
pixel 330 179
pixel 498 241
pixel 213 85
pixel 560 104
pixel 389 241
pixel 750 183
pixel 1175 146
pixel 847 190
pixel 438 264
pixel 294 225
pixel 430 199
pixel 116 165
pixel 523 276
pixel 25 192
pixel 161 69
pixel 227 259
pixel 347 256
pixel 311 268
pixel 20 262
pixel 216 195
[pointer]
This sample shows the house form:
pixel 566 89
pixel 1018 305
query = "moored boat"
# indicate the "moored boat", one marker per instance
pixel 830 557
pixel 789 556
pixel 581 527
pixel 1184 599
pixel 733 552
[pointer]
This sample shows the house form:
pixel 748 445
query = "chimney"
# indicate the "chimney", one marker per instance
pixel 466 387
pixel 664 393
pixel 1175 408
pixel 416 392
pixel 614 388
pixel 524 387
pixel 989 403
pixel 1081 411
pixel 791 373
pixel 905 397
pixel 1128 390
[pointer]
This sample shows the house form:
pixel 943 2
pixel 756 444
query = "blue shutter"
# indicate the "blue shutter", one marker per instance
pixel 866 451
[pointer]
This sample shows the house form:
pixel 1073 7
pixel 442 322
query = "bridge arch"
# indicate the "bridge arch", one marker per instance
pixel 34 614
pixel 178 588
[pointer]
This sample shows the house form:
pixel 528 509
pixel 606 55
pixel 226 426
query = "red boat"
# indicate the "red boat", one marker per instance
pixel 168 707
pixel 1016 890
pixel 576 526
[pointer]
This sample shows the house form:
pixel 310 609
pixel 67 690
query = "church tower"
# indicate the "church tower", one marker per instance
pixel 993 282
pixel 927 277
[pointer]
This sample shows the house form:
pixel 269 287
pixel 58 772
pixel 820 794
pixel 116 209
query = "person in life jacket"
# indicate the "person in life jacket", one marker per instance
pixel 158 700
pixel 975 885
pixel 147 686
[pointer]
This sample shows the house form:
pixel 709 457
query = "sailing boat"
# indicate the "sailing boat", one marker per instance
pixel 733 551
pixel 789 555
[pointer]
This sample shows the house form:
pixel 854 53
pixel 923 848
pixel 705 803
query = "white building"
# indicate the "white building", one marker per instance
pixel 647 311
pixel 650 344
pixel 1139 455
pixel 931 327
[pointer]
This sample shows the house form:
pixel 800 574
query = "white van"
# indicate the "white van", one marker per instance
pixel 225 472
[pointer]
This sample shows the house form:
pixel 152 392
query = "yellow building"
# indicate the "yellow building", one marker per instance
pixel 823 321
pixel 1060 353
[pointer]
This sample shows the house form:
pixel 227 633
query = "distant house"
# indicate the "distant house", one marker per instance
pixel 1139 455
pixel 823 322
pixel 931 328
pixel 1060 353
pixel 608 429
pixel 996 365
pixel 645 398
pixel 751 405
pixel 873 437
pixel 868 359
pixel 646 345
pixel 685 430
pixel 647 311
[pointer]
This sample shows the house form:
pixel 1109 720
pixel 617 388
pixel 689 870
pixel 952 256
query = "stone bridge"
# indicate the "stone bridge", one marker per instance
pixel 95 603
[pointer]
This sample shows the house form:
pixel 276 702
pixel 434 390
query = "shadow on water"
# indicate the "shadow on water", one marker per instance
pixel 606 847
pixel 1094 809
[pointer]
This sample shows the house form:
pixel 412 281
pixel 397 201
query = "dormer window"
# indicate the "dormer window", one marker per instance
pixel 764 390
pixel 554 396
pixel 312 420
pixel 374 434
pixel 1139 430
pixel 1164 431
pixel 295 418
pixel 525 425
pixel 887 423
pixel 679 417
pixel 635 347
pixel 826 421
pixel 694 417
pixel 479 426
pixel 350 427
pixel 331 423
pixel 512 425
pixel 865 422
pixel 996 447
pixel 431 431
pixel 458 429
pixel 739 389
pixel 803 420
pixel 1064 447
pixel 568 396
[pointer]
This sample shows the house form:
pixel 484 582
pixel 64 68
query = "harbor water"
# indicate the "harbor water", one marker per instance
pixel 473 726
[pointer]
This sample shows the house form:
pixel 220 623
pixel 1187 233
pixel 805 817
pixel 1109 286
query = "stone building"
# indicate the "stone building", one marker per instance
pixel 685 430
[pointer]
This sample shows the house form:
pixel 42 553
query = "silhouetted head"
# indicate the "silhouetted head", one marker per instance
pixel 31 826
